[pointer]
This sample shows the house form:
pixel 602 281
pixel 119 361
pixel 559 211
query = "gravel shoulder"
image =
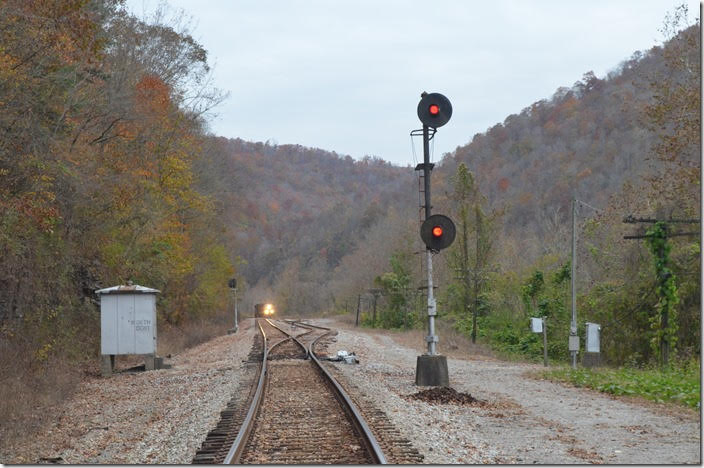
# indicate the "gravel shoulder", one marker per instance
pixel 524 420
pixel 159 416
pixel 163 416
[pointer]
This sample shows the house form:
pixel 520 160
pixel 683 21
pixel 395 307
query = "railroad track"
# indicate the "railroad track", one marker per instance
pixel 297 412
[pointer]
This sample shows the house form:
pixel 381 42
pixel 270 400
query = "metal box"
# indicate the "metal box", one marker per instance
pixel 127 320
pixel 593 330
pixel 573 343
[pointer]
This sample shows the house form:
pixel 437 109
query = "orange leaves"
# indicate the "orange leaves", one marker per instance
pixel 550 127
pixel 525 198
pixel 585 173
pixel 568 106
pixel 153 95
pixel 36 207
pixel 503 184
pixel 274 207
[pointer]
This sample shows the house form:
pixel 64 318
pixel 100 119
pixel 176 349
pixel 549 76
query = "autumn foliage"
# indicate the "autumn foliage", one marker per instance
pixel 97 181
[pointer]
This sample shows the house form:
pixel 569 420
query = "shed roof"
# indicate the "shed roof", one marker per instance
pixel 127 289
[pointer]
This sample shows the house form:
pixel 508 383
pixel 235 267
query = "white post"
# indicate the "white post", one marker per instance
pixel 545 342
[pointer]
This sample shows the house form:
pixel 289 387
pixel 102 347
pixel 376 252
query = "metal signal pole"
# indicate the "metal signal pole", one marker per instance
pixel 232 284
pixel 437 232
pixel 432 337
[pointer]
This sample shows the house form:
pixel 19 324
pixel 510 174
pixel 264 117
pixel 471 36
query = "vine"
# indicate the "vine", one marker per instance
pixel 664 323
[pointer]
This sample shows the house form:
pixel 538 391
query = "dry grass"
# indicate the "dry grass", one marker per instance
pixel 30 391
pixel 172 339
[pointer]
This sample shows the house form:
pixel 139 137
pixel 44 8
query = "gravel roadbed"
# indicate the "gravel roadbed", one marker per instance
pixel 163 416
pixel 523 420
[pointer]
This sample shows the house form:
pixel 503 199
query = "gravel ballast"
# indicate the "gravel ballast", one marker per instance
pixel 518 419
pixel 495 411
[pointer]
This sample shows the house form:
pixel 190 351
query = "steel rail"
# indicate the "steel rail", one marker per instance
pixel 235 452
pixel 238 446
pixel 290 337
pixel 360 424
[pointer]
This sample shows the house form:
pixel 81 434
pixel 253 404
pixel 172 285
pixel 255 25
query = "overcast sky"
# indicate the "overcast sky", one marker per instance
pixel 347 76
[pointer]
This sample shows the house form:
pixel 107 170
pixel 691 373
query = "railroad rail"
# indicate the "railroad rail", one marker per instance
pixel 298 413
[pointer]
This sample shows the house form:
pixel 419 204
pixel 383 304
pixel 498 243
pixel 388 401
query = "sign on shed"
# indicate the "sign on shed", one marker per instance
pixel 127 320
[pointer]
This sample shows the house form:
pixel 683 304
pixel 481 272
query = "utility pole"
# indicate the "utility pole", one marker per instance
pixel 574 339
pixel 465 265
pixel 664 318
pixel 573 344
pixel 359 300
pixel 376 292
pixel 476 275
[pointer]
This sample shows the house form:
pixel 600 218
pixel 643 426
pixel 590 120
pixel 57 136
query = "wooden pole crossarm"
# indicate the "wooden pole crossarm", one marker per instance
pixel 676 234
pixel 630 219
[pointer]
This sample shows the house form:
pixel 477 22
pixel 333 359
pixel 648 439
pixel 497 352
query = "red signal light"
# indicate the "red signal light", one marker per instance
pixel 434 109
pixel 437 231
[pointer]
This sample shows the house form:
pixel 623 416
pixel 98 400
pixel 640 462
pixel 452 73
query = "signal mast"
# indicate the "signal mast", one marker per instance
pixel 437 233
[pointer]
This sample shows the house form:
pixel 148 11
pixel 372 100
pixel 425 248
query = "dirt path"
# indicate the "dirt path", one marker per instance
pixel 525 420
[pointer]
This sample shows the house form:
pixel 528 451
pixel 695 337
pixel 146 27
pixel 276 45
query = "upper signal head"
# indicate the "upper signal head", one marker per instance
pixel 434 110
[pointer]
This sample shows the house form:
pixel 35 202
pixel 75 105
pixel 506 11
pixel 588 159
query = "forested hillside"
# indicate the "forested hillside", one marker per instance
pixel 286 202
pixel 102 118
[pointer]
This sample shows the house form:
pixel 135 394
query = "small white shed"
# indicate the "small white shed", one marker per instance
pixel 127 322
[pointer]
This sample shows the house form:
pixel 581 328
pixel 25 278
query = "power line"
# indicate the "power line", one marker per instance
pixel 590 206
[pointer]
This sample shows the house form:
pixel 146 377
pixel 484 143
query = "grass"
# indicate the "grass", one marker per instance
pixel 680 384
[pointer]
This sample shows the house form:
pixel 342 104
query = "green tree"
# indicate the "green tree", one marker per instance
pixel 396 288
pixel 472 253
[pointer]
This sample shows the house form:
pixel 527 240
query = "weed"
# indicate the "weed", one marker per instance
pixel 677 384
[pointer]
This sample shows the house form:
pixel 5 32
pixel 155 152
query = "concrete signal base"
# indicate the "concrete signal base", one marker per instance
pixel 431 371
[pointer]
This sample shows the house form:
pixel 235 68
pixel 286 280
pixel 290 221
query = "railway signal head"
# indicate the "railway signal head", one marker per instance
pixel 437 232
pixel 434 110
